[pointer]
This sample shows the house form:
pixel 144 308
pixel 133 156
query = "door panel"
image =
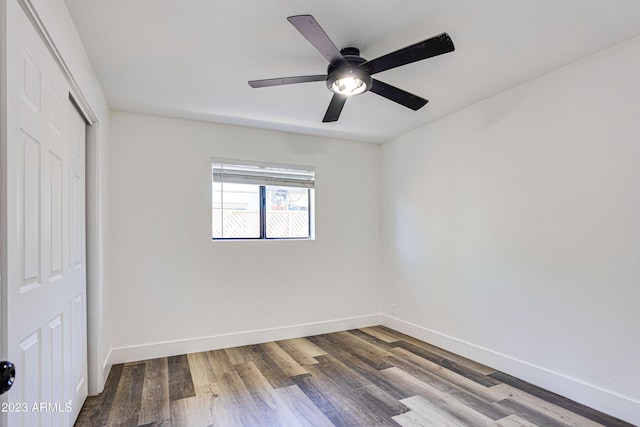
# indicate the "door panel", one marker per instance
pixel 29 212
pixel 56 366
pixel 76 278
pixel 77 222
pixel 46 290
pixel 30 355
pixel 57 217
pixel 31 77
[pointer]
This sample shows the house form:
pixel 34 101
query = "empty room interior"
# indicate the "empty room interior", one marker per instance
pixel 415 213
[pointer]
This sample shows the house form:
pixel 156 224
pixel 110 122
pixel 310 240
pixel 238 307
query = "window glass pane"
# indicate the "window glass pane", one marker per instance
pixel 235 211
pixel 287 212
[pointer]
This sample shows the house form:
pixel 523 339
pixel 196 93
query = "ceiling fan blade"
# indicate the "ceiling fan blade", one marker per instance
pixel 400 96
pixel 335 108
pixel 416 52
pixel 312 31
pixel 287 80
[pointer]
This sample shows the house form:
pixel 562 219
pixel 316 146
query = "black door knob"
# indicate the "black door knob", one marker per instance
pixel 8 375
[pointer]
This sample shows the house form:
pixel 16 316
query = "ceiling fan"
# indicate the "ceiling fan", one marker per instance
pixel 350 74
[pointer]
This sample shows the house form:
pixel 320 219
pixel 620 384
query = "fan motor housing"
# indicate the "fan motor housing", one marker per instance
pixel 337 71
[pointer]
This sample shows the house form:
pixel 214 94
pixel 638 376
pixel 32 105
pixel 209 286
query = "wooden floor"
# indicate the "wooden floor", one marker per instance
pixel 364 377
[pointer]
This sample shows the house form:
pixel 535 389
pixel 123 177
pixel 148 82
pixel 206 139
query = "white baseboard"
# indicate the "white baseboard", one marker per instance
pixel 194 345
pixel 598 398
pixel 106 368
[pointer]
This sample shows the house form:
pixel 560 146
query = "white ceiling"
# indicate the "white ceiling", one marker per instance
pixel 192 58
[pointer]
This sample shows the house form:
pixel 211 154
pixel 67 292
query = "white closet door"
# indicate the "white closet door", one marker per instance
pixel 46 262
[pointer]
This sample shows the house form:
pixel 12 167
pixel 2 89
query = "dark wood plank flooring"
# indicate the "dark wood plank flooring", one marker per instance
pixel 363 377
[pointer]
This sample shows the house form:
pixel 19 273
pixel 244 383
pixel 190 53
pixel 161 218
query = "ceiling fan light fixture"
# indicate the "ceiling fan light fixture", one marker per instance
pixel 347 82
pixel 349 86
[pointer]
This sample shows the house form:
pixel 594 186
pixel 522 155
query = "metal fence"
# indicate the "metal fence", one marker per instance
pixel 246 224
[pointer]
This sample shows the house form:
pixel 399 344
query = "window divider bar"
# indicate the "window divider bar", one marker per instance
pixel 263 212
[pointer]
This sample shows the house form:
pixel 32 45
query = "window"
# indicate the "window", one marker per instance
pixel 258 201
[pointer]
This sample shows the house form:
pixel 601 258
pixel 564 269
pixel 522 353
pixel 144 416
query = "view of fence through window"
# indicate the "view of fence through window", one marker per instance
pixel 236 211
pixel 287 212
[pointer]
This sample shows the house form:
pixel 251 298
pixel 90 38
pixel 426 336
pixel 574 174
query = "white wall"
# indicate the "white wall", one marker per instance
pixel 511 231
pixel 172 289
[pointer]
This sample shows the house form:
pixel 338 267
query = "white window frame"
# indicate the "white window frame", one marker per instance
pixel 266 174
